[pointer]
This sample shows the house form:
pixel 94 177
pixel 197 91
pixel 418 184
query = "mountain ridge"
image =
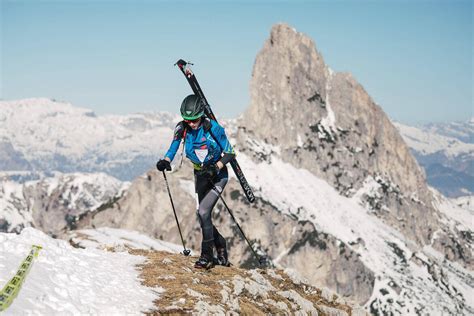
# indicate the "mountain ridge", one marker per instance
pixel 46 135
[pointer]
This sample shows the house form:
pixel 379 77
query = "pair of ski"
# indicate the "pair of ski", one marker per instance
pixel 191 78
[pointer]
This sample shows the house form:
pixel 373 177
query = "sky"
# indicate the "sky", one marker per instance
pixel 414 58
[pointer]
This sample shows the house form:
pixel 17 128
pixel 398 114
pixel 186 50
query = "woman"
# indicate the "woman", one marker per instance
pixel 209 150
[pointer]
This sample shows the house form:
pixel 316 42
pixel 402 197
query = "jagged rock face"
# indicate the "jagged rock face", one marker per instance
pixel 327 123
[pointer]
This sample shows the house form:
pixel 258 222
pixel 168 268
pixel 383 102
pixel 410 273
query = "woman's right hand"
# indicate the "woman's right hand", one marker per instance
pixel 163 164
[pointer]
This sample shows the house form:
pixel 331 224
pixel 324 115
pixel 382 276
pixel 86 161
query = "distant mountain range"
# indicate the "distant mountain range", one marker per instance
pixel 446 152
pixel 40 136
pixel 43 136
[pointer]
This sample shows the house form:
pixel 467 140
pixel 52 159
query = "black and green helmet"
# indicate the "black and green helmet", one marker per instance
pixel 192 107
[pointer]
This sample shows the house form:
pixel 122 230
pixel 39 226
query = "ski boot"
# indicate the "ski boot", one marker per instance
pixel 222 257
pixel 207 253
pixel 204 263
pixel 221 249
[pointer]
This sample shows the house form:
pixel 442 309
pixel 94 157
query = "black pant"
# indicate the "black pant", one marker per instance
pixel 208 193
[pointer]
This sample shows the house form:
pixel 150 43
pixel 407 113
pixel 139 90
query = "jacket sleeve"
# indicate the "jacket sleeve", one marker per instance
pixel 221 138
pixel 178 136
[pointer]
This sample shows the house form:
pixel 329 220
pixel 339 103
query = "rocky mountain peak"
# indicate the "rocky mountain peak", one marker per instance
pixel 284 68
pixel 327 123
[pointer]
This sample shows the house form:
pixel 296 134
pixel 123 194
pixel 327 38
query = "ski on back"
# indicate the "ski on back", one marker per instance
pixel 191 78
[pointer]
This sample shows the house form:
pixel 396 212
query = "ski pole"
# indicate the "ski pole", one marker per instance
pixel 261 260
pixel 186 252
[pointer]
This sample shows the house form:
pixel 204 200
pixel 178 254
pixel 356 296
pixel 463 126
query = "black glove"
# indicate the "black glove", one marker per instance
pixel 210 171
pixel 163 164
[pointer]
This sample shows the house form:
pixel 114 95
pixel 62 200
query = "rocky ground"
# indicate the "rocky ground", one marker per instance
pixel 231 290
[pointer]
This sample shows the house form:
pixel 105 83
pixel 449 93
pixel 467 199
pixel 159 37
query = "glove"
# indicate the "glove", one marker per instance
pixel 211 171
pixel 163 164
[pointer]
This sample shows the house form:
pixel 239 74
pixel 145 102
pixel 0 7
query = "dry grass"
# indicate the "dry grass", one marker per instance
pixel 186 286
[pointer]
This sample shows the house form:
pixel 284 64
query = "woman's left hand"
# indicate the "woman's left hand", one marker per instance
pixel 211 171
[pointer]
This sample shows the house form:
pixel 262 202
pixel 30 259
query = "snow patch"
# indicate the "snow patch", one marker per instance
pixel 105 237
pixel 65 280
pixel 299 141
pixel 329 122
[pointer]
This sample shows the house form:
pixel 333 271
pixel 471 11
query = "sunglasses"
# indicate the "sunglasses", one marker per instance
pixel 192 121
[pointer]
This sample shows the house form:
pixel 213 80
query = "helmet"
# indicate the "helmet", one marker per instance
pixel 192 107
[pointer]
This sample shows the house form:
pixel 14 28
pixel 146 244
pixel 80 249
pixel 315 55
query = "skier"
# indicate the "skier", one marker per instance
pixel 209 150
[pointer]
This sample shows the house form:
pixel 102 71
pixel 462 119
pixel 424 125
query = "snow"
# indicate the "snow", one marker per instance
pixel 83 192
pixel 310 198
pixel 299 141
pixel 329 122
pixel 317 202
pixel 464 202
pixel 105 237
pixel 461 130
pixel 429 142
pixel 262 148
pixel 51 134
pixel 460 210
pixel 65 280
pixel 13 207
pixel 370 187
pixel 85 188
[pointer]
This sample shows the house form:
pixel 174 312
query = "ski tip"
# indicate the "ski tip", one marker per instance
pixel 181 63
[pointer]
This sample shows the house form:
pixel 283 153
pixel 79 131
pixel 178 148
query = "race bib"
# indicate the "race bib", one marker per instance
pixel 201 154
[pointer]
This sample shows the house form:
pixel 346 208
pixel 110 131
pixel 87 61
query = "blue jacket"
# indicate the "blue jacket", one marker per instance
pixel 202 147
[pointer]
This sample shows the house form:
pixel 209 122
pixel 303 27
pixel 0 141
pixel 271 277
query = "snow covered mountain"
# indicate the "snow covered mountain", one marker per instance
pixel 446 152
pixel 43 135
pixel 462 131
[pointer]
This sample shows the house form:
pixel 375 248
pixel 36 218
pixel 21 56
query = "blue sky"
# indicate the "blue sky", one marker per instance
pixel 413 57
